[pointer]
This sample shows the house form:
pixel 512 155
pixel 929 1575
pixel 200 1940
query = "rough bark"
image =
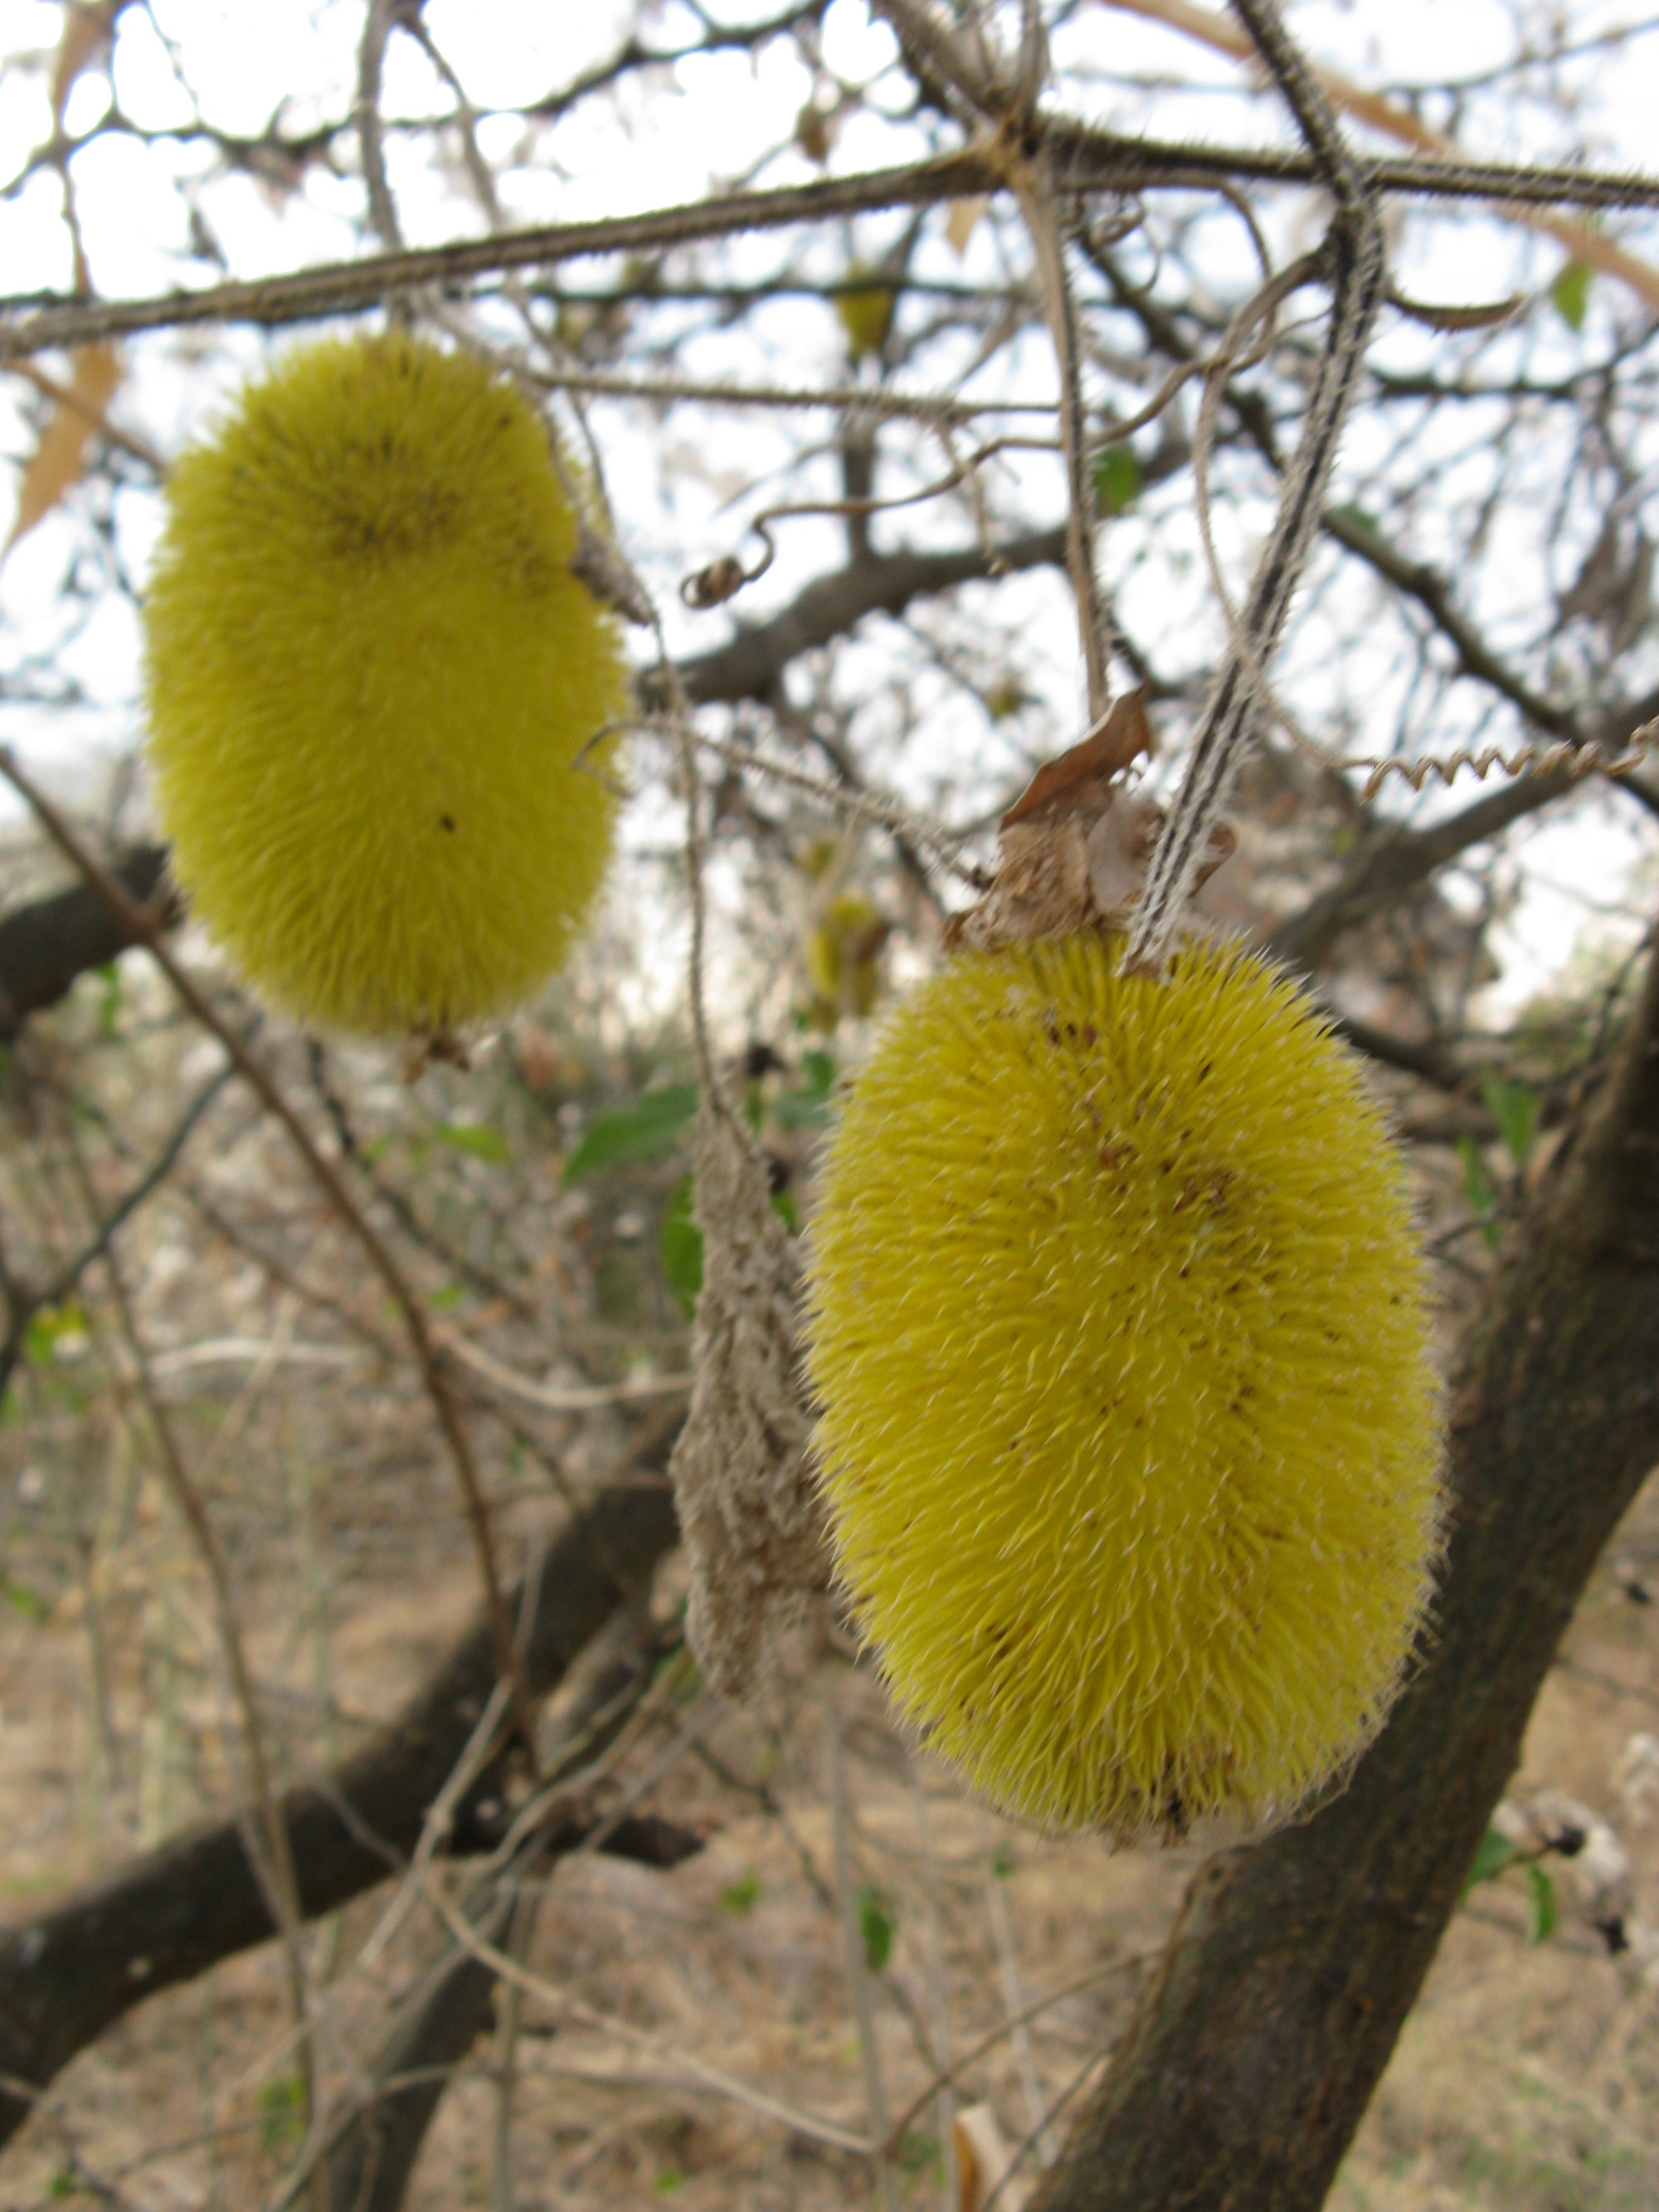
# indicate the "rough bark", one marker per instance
pixel 1254 2050
pixel 45 944
pixel 168 1916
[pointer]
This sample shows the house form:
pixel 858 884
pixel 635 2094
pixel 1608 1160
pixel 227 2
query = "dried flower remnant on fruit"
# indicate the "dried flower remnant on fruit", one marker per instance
pixel 1128 1429
pixel 374 685
pixel 749 1507
pixel 1072 849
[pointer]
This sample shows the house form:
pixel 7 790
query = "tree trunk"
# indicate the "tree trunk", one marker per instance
pixel 1253 2051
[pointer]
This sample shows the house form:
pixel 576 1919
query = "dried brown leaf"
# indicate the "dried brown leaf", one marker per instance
pixel 961 221
pixel 983 2158
pixel 1122 736
pixel 87 27
pixel 77 413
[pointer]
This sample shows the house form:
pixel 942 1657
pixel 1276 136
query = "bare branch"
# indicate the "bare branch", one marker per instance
pixel 1084 162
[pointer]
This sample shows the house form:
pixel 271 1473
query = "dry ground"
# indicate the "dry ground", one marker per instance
pixel 1528 2076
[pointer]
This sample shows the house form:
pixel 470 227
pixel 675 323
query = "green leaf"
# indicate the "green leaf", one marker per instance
pixel 282 2109
pixel 51 1325
pixel 784 1206
pixel 1541 1903
pixel 807 1106
pixel 875 1926
pixel 109 998
pixel 802 1109
pixel 476 1138
pixel 1003 1861
pixel 643 1131
pixel 680 1249
pixel 23 1600
pixel 1514 1107
pixel 1359 518
pixel 743 1895
pixel 1496 1852
pixel 1478 1189
pixel 1570 293
pixel 669 2178
pixel 452 1294
pixel 1117 480
pixel 916 2153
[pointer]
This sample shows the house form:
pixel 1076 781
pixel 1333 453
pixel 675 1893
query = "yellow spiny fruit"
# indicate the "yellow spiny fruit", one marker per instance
pixel 865 314
pixel 370 673
pixel 843 956
pixel 1129 1432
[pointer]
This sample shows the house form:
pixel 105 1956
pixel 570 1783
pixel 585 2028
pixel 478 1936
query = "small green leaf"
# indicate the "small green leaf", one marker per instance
pixel 1117 480
pixel 1478 1189
pixel 818 1070
pixel 802 1109
pixel 643 1131
pixel 1541 1903
pixel 1496 1852
pixel 63 2183
pixel 669 2178
pixel 109 998
pixel 281 2110
pixel 1514 1107
pixel 1003 1861
pixel 680 1249
pixel 915 2152
pixel 51 1325
pixel 784 1206
pixel 876 1927
pixel 742 1896
pixel 452 1294
pixel 476 1138
pixel 1570 293
pixel 27 1602
pixel 1359 518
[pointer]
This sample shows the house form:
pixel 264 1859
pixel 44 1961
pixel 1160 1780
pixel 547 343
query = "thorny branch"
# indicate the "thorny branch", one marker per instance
pixel 1084 162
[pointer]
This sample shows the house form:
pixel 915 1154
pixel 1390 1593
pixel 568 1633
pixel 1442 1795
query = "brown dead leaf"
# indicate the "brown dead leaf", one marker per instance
pixel 962 221
pixel 983 2158
pixel 88 25
pixel 77 413
pixel 1074 846
pixel 1117 740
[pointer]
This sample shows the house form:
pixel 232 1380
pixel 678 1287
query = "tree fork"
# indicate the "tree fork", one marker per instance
pixel 1254 2050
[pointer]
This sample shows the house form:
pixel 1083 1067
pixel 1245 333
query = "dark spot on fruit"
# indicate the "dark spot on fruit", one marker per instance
pixel 446 822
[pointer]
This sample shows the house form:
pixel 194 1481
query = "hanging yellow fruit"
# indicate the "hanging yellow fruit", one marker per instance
pixel 843 958
pixel 373 685
pixel 865 314
pixel 1129 1430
